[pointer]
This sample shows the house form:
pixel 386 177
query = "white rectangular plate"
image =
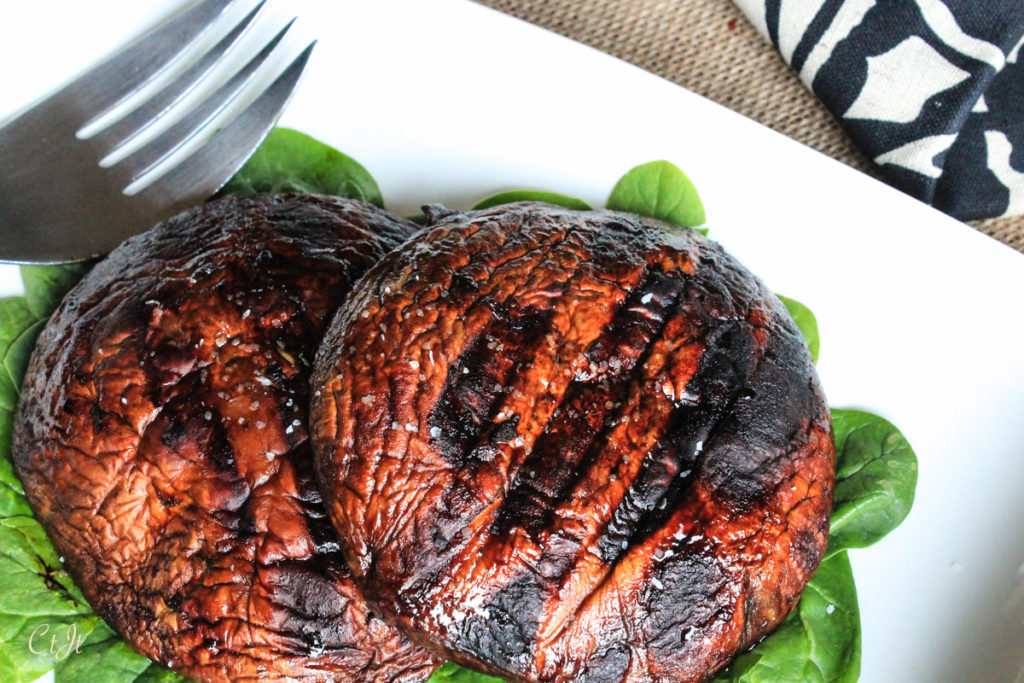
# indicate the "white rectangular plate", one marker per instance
pixel 920 316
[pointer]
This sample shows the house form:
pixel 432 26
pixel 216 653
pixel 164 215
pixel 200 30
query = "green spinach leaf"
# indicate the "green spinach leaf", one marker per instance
pixel 16 329
pixel 805 320
pixel 819 642
pixel 41 610
pixel 105 658
pixel 532 196
pixel 158 674
pixel 451 672
pixel 876 476
pixel 659 189
pixel 45 286
pixel 290 161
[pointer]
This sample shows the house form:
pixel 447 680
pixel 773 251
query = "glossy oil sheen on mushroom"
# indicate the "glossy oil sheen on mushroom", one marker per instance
pixel 162 441
pixel 570 446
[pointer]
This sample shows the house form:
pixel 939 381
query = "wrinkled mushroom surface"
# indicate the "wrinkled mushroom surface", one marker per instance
pixel 162 441
pixel 571 446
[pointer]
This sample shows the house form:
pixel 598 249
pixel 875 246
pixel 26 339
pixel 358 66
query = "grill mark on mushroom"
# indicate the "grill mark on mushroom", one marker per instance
pixel 577 429
pixel 674 462
pixel 464 415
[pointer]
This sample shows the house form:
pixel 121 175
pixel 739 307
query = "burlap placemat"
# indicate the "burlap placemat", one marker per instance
pixel 709 47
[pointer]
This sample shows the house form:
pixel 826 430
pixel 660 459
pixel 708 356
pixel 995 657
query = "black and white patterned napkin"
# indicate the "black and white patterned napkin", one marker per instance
pixel 932 90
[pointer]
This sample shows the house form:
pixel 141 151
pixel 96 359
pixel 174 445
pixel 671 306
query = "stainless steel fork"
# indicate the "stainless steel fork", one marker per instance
pixel 58 204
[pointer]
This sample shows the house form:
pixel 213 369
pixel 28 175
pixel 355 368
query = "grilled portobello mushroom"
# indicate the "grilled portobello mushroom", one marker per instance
pixel 162 440
pixel 570 446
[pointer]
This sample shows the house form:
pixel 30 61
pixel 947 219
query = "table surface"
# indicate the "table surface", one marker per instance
pixel 708 47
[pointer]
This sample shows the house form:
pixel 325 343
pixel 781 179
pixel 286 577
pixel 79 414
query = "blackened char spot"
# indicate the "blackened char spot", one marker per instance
pixel 321 531
pixel 174 433
pixel 504 631
pixel 741 465
pixel 97 415
pixel 636 324
pixel 166 500
pixel 435 213
pixel 505 430
pixel 806 549
pixel 555 461
pixel 665 475
pixel 572 436
pixel 463 285
pixel 440 540
pixel 275 374
pixel 608 664
pixel 481 376
pixel 219 451
pixel 690 599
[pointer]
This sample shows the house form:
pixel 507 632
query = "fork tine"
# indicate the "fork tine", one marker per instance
pixel 142 160
pixel 151 110
pixel 110 81
pixel 203 173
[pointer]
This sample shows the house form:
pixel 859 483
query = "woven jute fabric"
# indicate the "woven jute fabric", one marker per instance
pixel 709 47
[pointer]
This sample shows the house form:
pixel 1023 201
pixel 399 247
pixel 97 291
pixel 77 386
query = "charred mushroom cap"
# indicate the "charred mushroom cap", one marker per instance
pixel 162 441
pixel 565 446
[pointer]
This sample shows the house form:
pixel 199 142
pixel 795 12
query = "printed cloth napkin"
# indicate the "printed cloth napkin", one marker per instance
pixel 932 90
